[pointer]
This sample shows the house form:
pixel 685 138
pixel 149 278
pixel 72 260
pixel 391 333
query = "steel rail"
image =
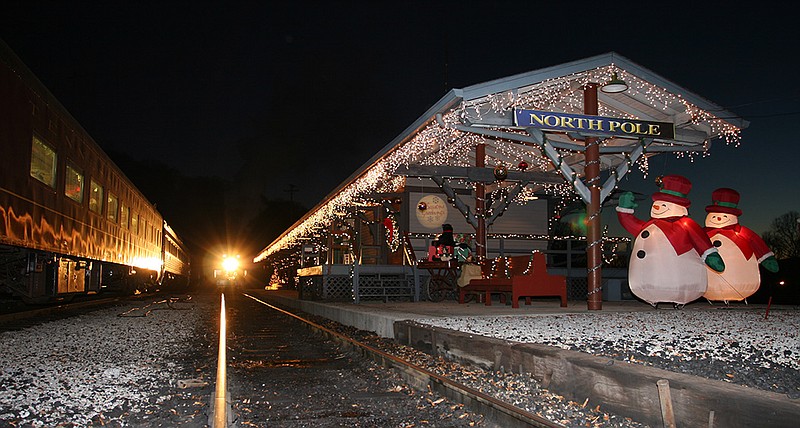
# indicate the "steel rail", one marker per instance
pixel 505 414
pixel 55 308
pixel 220 416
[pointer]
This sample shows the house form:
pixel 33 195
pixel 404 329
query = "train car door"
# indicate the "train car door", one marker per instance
pixel 72 276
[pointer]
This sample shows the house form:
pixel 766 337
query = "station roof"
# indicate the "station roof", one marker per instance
pixel 448 132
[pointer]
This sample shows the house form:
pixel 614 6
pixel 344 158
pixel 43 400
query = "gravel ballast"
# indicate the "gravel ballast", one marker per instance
pixel 124 366
pixel 120 366
pixel 735 344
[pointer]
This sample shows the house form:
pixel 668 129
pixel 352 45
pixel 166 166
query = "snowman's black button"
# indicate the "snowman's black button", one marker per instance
pixel 717 243
pixel 645 233
pixel 640 254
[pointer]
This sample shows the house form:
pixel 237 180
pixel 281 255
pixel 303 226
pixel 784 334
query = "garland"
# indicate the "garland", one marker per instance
pixel 392 237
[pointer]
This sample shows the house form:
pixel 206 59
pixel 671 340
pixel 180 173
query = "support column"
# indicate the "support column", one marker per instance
pixel 480 204
pixel 594 260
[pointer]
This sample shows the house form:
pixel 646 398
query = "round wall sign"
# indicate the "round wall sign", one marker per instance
pixel 434 212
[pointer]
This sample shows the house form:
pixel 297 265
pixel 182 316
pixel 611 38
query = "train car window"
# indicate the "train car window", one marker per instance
pixel 43 162
pixel 135 223
pixel 113 204
pixel 95 197
pixel 124 213
pixel 73 186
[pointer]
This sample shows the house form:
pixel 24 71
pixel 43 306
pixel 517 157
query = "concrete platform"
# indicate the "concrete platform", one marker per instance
pixel 380 317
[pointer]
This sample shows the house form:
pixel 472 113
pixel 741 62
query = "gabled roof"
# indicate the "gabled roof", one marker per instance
pixel 624 67
pixel 447 133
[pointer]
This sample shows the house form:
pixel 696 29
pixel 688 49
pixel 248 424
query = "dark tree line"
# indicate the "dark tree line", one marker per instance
pixel 783 237
pixel 210 213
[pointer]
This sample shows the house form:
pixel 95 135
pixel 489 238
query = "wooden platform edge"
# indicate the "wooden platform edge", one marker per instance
pixel 626 389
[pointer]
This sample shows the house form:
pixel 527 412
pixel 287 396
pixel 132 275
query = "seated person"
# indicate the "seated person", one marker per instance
pixel 446 246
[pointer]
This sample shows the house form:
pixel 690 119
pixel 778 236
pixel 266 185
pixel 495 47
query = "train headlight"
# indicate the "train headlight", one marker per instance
pixel 230 264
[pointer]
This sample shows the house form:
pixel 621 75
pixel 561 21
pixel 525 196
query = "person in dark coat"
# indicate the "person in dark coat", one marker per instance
pixel 446 238
pixel 446 244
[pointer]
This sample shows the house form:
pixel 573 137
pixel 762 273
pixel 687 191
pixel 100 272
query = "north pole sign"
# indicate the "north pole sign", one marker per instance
pixel 593 124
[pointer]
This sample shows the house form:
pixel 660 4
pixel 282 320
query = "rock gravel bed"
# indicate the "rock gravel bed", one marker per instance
pixel 285 374
pixel 734 344
pixel 731 344
pixel 114 367
pixel 522 391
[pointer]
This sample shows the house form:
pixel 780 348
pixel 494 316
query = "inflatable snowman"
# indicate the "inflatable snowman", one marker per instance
pixel 670 251
pixel 741 248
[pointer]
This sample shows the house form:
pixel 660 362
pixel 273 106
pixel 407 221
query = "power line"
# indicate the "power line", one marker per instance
pixel 773 100
pixel 791 113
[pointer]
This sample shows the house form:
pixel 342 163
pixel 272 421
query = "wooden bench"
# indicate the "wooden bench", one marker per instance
pixel 520 276
pixel 538 283
pixel 496 280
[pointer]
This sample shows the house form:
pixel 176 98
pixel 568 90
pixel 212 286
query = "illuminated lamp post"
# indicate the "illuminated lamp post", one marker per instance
pixel 594 260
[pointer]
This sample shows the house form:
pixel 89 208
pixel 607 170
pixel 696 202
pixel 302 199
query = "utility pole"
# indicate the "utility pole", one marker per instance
pixel 291 190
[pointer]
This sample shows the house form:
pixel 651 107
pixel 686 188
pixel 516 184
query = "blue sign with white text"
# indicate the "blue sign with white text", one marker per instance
pixel 593 124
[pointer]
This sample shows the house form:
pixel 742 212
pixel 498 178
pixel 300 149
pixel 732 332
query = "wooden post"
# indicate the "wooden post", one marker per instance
pixel 330 253
pixel 480 204
pixel 594 241
pixel 666 403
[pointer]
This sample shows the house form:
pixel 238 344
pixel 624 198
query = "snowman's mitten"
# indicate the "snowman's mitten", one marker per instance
pixel 627 200
pixel 770 264
pixel 714 261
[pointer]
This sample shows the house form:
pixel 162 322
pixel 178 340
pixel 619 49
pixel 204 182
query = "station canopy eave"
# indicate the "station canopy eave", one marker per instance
pixel 448 132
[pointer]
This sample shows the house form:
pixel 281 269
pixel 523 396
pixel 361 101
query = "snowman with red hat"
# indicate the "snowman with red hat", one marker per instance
pixel 741 248
pixel 671 251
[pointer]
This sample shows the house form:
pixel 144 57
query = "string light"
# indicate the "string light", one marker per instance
pixel 392 233
pixel 444 145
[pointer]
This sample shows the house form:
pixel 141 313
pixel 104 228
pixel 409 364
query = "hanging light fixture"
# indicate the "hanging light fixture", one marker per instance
pixel 615 85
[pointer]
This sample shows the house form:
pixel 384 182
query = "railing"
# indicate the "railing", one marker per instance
pixel 567 255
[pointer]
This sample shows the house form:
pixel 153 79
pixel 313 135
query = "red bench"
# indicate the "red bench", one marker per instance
pixel 521 276
pixel 496 280
pixel 538 283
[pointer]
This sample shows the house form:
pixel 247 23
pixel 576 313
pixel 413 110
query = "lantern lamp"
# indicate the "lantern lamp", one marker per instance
pixel 615 85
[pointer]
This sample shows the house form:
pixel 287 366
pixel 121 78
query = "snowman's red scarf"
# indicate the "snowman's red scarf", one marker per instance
pixel 682 232
pixel 748 241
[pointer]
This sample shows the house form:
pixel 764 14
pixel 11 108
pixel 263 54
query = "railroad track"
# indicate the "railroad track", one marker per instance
pixel 493 410
pixel 29 316
pixel 25 318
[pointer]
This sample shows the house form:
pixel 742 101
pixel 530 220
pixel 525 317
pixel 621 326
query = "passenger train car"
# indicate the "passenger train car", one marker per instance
pixel 70 221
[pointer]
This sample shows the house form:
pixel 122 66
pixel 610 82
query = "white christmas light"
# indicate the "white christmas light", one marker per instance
pixel 445 145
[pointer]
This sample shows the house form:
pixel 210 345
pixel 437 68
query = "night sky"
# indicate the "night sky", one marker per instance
pixel 302 93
